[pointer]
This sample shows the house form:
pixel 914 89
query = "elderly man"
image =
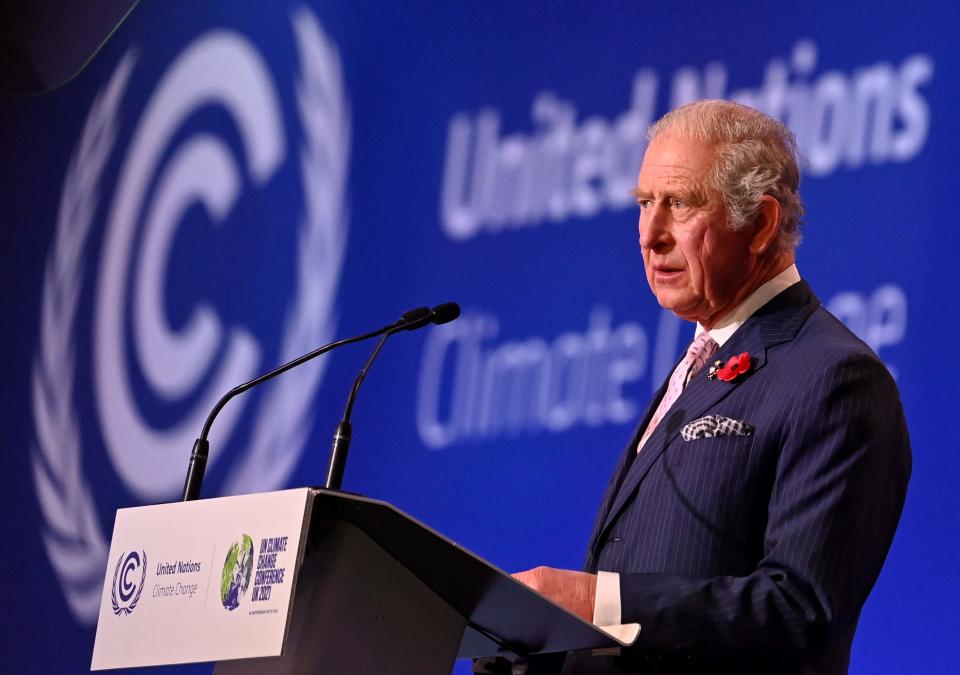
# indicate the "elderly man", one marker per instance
pixel 748 518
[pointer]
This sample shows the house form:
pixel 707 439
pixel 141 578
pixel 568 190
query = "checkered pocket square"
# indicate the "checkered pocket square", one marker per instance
pixel 715 425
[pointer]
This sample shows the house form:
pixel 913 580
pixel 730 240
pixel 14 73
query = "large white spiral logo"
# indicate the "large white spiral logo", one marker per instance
pixel 218 68
pixel 196 363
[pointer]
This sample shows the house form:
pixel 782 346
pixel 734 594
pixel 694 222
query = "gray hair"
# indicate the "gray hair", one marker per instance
pixel 756 156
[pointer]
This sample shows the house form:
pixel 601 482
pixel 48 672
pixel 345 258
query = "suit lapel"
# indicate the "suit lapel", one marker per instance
pixel 777 321
pixel 623 464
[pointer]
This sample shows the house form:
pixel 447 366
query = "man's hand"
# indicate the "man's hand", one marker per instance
pixel 574 591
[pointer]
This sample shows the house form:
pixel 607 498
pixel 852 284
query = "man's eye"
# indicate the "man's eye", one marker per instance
pixel 677 203
pixel 645 203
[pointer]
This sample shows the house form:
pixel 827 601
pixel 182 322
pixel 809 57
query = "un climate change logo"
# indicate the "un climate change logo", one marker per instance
pixel 237 568
pixel 126 587
pixel 154 377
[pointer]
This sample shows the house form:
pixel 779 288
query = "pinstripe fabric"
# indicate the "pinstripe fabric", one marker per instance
pixel 755 553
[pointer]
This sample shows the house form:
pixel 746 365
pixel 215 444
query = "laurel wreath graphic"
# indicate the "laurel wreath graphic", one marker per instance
pixel 72 534
pixel 119 609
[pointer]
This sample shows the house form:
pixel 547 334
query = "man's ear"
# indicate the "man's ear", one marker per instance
pixel 767 226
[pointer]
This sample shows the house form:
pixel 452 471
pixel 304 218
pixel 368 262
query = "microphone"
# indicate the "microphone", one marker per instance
pixel 440 314
pixel 445 313
pixel 411 319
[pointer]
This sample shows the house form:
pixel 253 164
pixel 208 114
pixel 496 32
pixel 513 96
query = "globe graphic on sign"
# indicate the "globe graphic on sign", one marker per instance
pixel 237 568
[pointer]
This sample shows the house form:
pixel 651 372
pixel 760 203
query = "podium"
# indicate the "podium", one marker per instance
pixel 373 591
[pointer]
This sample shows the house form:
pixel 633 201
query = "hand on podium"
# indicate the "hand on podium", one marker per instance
pixel 574 591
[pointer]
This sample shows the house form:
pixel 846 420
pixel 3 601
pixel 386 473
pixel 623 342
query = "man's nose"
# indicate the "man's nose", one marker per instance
pixel 654 228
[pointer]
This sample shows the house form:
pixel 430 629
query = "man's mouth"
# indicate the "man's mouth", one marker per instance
pixel 666 272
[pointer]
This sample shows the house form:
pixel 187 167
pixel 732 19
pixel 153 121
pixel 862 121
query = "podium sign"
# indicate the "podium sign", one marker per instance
pixel 201 581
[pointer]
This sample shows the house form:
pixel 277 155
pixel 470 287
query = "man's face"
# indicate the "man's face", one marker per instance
pixel 696 266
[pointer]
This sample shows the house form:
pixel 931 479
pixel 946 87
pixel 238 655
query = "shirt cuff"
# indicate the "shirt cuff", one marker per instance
pixel 606 604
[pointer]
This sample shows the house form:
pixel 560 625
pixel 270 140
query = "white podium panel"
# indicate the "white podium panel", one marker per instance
pixel 197 581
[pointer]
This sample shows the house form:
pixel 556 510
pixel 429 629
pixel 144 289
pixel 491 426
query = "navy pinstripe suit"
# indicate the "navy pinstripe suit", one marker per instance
pixel 756 553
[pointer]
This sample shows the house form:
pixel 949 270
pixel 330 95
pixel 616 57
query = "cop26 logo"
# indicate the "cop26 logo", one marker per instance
pixel 237 568
pixel 129 578
pixel 154 377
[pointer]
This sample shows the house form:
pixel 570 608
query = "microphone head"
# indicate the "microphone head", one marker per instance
pixel 445 313
pixel 415 314
pixel 412 319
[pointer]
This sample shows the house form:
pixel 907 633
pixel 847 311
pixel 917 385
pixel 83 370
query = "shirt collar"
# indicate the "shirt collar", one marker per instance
pixel 729 324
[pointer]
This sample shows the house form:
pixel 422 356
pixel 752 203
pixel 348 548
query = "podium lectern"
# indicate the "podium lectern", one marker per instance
pixel 374 591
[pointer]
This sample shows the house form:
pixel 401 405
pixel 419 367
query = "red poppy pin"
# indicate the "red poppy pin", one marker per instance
pixel 734 368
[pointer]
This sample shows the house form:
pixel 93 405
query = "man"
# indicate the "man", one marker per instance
pixel 748 518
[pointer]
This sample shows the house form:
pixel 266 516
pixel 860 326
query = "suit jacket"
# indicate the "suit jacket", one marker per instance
pixel 755 553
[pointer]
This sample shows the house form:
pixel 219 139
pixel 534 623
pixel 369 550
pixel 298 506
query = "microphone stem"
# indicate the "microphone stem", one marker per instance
pixel 279 370
pixel 338 455
pixel 363 373
pixel 198 463
pixel 411 320
pixel 344 432
pixel 201 448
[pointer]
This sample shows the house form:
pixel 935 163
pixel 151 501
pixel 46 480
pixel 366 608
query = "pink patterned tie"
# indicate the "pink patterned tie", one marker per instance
pixel 701 349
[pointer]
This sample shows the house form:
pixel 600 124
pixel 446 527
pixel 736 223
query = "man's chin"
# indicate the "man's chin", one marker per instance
pixel 682 307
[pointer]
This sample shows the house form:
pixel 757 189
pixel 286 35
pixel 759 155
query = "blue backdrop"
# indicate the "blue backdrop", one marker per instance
pixel 227 186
